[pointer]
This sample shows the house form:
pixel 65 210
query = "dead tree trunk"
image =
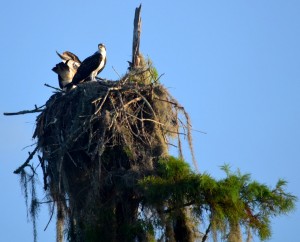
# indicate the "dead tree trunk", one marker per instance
pixel 137 29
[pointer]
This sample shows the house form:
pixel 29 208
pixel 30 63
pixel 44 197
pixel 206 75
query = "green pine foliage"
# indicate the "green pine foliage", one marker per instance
pixel 234 201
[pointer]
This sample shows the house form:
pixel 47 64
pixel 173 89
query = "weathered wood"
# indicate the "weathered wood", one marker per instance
pixel 36 110
pixel 137 29
pixel 17 171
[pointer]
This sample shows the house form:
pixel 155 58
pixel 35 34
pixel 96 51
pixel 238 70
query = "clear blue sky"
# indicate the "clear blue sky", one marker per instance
pixel 234 65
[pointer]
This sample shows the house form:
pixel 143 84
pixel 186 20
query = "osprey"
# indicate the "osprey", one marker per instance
pixel 90 67
pixel 67 68
pixel 67 55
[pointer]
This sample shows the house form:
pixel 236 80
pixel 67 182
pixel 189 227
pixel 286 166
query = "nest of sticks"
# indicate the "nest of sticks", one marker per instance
pixel 98 140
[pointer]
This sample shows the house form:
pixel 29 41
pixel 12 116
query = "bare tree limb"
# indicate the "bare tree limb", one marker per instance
pixel 36 110
pixel 131 101
pixel 52 212
pixel 206 233
pixel 55 88
pixel 17 171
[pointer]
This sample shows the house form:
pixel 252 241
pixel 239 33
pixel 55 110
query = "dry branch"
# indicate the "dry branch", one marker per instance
pixel 207 231
pixel 55 88
pixel 17 171
pixel 36 110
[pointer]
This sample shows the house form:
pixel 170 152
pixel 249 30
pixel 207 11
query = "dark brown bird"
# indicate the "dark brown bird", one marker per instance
pixel 66 69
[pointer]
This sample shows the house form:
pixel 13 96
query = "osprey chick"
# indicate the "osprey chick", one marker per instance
pixel 67 68
pixel 90 67
pixel 67 55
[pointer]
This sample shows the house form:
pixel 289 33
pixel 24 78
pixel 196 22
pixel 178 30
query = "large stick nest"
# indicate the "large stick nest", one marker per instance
pixel 100 138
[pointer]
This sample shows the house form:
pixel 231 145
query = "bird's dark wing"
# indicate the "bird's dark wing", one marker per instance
pixel 86 68
pixel 60 67
pixel 67 55
pixel 62 70
pixel 72 56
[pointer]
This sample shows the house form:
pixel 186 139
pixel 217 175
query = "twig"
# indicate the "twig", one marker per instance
pixel 172 145
pixel 46 202
pixel 116 72
pixel 55 88
pixel 147 103
pixel 71 158
pixel 29 146
pixel 45 175
pixel 157 79
pixel 52 212
pixel 103 101
pixel 96 100
pixel 145 119
pixel 206 233
pixel 17 171
pixel 199 131
pixel 36 110
pixel 174 103
pixel 126 120
pixel 132 101
pixel 124 80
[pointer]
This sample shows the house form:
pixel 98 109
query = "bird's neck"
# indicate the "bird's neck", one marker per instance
pixel 103 53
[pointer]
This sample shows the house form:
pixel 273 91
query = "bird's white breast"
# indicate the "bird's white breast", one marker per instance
pixel 103 54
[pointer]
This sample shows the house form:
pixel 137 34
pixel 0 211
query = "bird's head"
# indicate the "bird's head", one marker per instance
pixel 102 48
pixel 73 65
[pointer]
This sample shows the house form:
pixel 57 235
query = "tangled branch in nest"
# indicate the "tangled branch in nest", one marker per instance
pixel 97 141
